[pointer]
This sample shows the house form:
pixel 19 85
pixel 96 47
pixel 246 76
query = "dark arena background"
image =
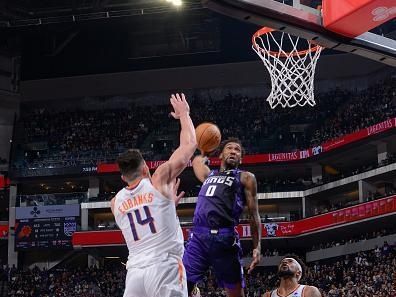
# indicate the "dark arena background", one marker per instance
pixel 82 81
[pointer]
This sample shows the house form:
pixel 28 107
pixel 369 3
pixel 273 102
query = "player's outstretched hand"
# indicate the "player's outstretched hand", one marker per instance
pixel 255 261
pixel 180 105
pixel 177 197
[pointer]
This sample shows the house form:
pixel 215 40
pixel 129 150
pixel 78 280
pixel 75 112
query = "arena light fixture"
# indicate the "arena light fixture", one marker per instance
pixel 177 2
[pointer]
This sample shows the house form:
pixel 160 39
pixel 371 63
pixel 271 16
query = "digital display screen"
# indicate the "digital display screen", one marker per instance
pixel 36 233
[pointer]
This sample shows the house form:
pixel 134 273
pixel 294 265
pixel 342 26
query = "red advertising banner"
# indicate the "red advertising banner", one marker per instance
pixel 359 135
pixel 331 219
pixel 97 238
pixel 289 156
pixel 4 182
pixel 3 231
pixel 284 229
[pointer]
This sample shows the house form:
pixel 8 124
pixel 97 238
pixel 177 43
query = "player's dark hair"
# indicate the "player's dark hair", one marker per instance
pixel 298 259
pixel 227 141
pixel 129 162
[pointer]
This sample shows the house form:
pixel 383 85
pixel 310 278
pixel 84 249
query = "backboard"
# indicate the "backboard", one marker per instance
pixel 305 18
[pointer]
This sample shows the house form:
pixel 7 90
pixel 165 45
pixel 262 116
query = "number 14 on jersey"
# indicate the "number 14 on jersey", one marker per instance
pixel 148 220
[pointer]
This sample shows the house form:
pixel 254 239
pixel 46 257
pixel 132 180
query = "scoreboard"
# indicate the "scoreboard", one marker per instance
pixel 45 226
pixel 45 233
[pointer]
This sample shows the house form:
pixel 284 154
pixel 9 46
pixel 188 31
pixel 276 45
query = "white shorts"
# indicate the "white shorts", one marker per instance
pixel 163 279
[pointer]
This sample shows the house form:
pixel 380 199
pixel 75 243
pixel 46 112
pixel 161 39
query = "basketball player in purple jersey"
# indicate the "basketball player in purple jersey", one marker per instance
pixel 214 241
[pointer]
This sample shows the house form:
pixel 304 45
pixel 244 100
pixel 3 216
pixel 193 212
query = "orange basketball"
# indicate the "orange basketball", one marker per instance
pixel 208 137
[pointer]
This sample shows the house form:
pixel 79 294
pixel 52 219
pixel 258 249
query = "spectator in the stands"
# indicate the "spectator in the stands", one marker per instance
pixel 76 137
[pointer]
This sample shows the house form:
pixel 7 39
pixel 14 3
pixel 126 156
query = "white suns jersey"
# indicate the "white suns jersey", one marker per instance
pixel 149 224
pixel 299 292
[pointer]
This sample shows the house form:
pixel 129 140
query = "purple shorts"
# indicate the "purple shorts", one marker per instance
pixel 219 249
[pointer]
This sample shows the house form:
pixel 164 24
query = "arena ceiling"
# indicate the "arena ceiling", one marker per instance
pixel 68 38
pixel 28 12
pixel 60 38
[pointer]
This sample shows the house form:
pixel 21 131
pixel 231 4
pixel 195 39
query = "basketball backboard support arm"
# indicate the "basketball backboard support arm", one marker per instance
pixel 305 23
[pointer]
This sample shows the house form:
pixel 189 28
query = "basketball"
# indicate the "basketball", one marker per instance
pixel 208 137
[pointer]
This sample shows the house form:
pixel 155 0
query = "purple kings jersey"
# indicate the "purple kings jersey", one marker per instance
pixel 220 200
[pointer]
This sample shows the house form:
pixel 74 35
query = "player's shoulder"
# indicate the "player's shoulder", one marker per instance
pixel 247 173
pixel 121 193
pixel 116 197
pixel 247 176
pixel 112 204
pixel 311 291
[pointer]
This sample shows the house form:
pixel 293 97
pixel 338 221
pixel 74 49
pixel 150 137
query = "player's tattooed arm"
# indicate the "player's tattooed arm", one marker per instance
pixel 249 181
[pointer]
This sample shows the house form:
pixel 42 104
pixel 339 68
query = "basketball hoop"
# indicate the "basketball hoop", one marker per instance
pixel 291 68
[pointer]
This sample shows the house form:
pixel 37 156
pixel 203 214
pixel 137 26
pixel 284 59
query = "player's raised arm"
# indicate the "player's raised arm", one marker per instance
pixel 167 172
pixel 201 169
pixel 249 181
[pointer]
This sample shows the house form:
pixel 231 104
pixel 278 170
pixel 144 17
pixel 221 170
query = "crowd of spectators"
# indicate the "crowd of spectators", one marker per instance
pixel 74 137
pixel 370 273
pixel 77 137
pixel 88 282
pixel 353 113
pixel 366 274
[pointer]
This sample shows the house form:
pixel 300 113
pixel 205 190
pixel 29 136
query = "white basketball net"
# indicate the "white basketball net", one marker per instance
pixel 292 73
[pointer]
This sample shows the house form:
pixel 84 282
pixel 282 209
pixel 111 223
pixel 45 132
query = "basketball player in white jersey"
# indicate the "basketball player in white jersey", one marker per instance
pixel 290 271
pixel 145 212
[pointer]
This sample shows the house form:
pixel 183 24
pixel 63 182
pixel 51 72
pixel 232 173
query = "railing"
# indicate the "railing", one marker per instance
pixel 362 212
